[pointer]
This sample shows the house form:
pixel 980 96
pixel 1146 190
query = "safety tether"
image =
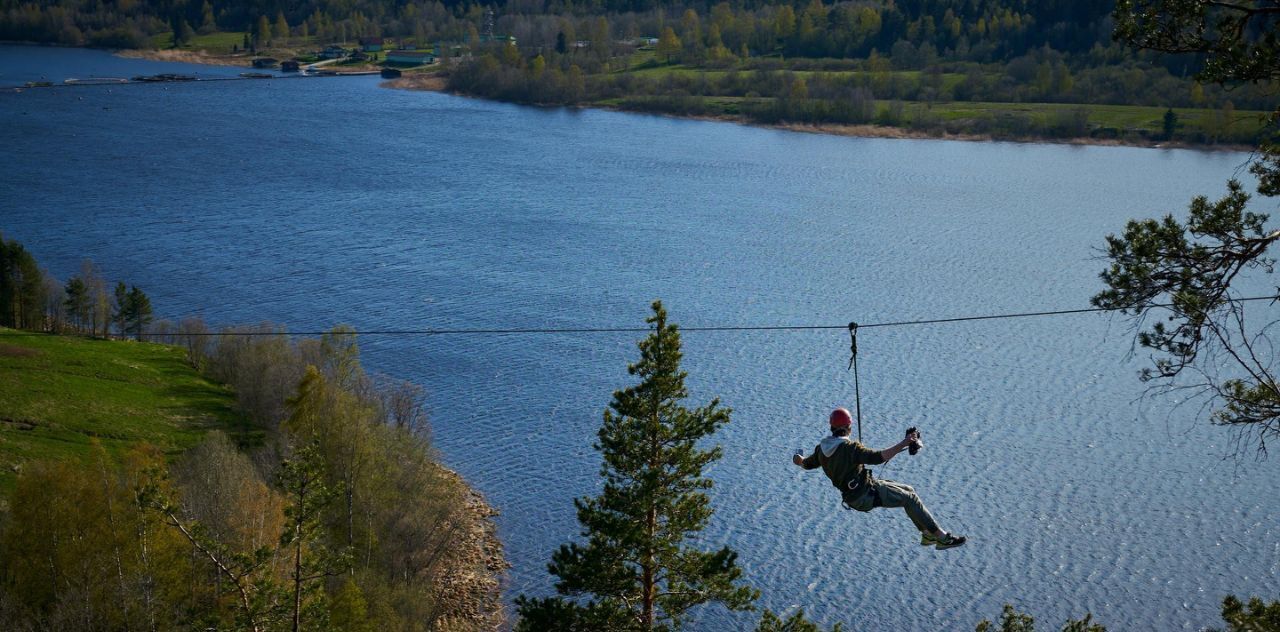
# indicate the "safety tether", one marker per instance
pixel 853 365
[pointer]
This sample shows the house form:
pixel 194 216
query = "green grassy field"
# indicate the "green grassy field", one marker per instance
pixel 58 394
pixel 221 43
pixel 1117 121
pixel 1127 119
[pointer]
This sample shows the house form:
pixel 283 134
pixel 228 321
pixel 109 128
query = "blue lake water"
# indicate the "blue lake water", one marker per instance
pixel 316 202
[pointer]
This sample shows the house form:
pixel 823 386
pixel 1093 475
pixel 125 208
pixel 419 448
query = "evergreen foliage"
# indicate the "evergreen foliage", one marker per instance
pixel 1257 616
pixel 1193 269
pixel 639 568
pixel 77 302
pixel 771 622
pixel 136 313
pixel 22 288
pixel 1013 621
pixel 1169 123
pixel 302 481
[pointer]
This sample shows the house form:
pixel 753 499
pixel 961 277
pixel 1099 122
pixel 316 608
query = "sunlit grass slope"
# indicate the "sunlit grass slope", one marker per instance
pixel 60 393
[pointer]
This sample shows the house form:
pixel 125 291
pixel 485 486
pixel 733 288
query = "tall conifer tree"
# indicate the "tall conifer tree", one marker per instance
pixel 639 568
pixel 137 312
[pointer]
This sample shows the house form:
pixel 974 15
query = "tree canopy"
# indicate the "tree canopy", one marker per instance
pixel 1190 273
pixel 639 568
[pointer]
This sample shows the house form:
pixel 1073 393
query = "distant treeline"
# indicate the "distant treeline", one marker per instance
pixel 913 32
pixel 334 515
pixel 983 28
pixel 868 91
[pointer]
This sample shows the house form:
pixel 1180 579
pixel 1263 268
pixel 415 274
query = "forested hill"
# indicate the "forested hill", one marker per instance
pixel 983 30
pixel 188 481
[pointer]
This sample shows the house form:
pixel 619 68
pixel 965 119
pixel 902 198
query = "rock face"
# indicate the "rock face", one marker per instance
pixel 470 593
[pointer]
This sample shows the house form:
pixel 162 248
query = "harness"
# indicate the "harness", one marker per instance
pixel 875 499
pixel 849 486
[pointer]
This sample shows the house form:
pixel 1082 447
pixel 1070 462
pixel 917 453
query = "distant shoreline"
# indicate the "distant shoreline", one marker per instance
pixel 436 83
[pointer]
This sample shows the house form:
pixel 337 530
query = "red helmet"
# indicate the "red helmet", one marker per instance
pixel 840 418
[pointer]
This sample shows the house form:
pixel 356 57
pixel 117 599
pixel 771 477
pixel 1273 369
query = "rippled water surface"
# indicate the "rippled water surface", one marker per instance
pixel 314 202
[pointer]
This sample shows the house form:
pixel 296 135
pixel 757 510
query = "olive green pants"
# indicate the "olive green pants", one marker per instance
pixel 893 494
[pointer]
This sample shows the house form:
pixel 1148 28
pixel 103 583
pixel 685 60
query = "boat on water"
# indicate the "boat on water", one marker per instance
pixel 163 77
pixel 94 81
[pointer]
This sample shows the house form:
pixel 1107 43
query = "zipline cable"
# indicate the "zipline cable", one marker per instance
pixel 610 330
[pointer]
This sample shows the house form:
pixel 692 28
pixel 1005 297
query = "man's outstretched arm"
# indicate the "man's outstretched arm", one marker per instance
pixel 809 462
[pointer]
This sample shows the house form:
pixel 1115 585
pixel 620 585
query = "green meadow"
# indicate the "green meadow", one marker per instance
pixel 59 395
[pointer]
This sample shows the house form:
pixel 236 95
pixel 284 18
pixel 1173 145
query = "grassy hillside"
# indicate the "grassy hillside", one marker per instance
pixel 59 393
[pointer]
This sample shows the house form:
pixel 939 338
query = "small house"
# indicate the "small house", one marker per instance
pixel 289 66
pixel 371 44
pixel 410 57
pixel 333 51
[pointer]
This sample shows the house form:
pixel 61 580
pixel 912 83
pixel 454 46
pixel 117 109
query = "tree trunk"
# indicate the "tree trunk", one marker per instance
pixel 651 526
pixel 112 527
pixel 297 573
pixel 646 615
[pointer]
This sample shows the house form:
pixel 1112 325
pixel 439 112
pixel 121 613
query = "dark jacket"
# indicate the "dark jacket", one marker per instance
pixel 842 459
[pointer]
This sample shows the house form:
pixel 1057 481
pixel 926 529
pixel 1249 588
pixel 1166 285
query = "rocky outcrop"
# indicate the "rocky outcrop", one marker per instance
pixel 470 593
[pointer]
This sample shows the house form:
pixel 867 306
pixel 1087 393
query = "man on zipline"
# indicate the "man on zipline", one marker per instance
pixel 842 459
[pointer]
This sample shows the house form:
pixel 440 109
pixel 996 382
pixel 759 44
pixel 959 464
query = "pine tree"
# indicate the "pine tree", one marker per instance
pixel 77 301
pixel 281 27
pixel 639 568
pixel 1197 270
pixel 1258 617
pixel 1170 124
pixel 21 288
pixel 771 622
pixel 302 479
pixel 137 312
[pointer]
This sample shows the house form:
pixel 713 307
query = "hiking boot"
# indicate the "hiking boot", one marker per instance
pixel 948 541
pixel 927 539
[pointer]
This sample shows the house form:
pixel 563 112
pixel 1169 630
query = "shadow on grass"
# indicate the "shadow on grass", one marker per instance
pixel 206 406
